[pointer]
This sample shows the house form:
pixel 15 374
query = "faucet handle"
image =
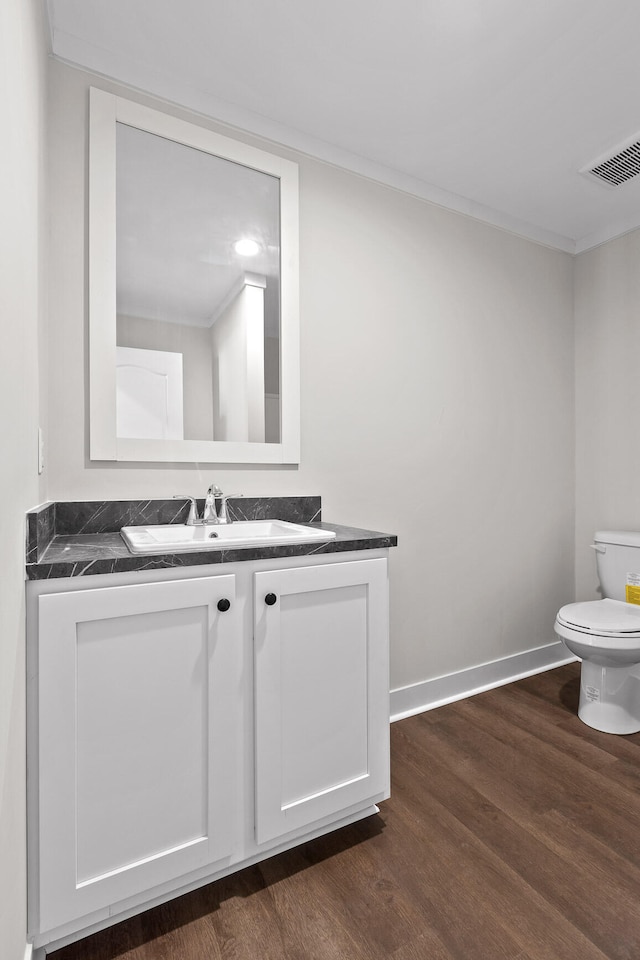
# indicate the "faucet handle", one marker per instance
pixel 217 493
pixel 192 519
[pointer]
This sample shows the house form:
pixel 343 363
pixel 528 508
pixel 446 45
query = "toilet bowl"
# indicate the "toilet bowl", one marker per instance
pixel 605 635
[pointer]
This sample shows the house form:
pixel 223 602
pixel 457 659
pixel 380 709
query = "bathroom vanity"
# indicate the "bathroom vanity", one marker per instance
pixel 190 714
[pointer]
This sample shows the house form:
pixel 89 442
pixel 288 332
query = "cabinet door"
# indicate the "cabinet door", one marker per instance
pixel 322 692
pixel 138 688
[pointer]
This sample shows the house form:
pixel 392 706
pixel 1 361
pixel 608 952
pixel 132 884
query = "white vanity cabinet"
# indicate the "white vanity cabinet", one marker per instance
pixel 321 709
pixel 185 723
pixel 137 691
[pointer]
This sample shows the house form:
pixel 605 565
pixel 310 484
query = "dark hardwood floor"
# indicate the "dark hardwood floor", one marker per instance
pixel 513 832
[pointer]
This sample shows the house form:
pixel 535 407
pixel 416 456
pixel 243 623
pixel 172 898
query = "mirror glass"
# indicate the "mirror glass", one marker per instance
pixel 197 294
pixel 193 292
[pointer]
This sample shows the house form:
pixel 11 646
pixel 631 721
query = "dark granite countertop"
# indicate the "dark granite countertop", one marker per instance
pixel 83 539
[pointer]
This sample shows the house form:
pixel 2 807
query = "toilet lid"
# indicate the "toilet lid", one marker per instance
pixel 604 617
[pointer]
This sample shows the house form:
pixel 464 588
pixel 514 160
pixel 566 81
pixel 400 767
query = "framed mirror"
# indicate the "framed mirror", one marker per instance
pixel 193 293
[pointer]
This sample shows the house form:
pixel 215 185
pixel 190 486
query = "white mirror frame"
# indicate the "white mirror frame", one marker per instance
pixel 105 110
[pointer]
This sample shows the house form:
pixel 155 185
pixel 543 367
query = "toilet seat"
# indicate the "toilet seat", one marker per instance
pixel 606 619
pixel 605 633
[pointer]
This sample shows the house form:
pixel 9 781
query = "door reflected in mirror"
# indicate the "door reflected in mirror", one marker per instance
pixel 197 294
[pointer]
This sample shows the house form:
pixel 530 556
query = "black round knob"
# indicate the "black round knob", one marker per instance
pixel 223 605
pixel 270 599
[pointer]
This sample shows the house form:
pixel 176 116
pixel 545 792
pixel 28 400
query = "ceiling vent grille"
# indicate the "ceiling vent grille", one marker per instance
pixel 616 169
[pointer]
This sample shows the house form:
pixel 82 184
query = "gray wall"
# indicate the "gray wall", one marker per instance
pixel 607 308
pixel 22 300
pixel 437 400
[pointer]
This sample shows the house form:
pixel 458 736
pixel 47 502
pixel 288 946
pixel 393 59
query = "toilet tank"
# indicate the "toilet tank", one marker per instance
pixel 618 563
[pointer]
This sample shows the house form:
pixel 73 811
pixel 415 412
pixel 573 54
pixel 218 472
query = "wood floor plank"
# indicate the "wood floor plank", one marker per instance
pixel 512 833
pixel 559 691
pixel 618 758
pixel 518 836
pixel 377 906
pixel 514 764
pixel 312 914
pixel 427 946
pixel 520 709
pixel 561 707
pixel 484 847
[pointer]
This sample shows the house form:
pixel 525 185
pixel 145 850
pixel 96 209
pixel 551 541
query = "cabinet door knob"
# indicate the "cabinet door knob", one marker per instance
pixel 270 599
pixel 223 605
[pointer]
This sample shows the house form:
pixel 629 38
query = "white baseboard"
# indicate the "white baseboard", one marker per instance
pixel 419 697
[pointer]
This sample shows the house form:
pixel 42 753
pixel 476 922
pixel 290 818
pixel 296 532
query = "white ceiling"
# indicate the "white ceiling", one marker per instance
pixel 490 107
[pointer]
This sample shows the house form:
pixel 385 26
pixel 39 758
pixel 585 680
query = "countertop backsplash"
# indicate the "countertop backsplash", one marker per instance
pixel 80 538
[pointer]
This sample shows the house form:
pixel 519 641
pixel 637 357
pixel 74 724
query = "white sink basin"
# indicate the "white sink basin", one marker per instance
pixel 177 538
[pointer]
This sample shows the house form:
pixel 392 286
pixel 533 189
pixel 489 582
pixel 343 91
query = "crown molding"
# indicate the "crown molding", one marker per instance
pixel 147 79
pixel 611 232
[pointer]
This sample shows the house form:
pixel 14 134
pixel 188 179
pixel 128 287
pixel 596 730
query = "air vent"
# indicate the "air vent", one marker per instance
pixel 615 169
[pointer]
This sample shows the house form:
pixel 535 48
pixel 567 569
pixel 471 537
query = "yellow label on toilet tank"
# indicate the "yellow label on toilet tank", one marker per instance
pixel 633 594
pixel 633 588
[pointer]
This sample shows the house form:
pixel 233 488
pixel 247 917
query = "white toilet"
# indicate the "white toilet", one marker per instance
pixel 605 634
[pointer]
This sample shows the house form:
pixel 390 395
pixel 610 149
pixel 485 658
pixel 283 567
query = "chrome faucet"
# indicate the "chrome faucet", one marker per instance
pixel 209 513
pixel 222 515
